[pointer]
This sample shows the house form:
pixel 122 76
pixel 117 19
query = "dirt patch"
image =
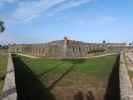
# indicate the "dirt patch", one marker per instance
pixel 78 93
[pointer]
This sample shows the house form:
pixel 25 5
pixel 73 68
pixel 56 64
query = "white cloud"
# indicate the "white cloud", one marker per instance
pixel 27 10
pixel 30 9
pixel 70 4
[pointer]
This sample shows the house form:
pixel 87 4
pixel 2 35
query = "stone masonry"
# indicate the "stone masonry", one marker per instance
pixel 9 90
pixel 126 88
pixel 64 48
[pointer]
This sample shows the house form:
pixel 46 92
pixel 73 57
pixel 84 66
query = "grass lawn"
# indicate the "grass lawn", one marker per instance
pixel 3 63
pixel 58 76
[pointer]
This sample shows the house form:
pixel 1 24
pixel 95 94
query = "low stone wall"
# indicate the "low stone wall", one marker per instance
pixel 126 88
pixel 9 90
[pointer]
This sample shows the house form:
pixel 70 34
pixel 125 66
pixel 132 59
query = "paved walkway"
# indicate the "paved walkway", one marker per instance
pixel 103 55
pixel 25 55
pixel 35 57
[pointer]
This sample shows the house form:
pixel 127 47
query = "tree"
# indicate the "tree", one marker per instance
pixel 2 28
pixel 103 41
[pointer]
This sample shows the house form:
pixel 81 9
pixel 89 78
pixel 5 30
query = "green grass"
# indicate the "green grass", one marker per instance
pixel 97 69
pixel 44 77
pixel 3 63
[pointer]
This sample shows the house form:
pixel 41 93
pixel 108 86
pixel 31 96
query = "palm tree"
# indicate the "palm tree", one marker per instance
pixel 2 28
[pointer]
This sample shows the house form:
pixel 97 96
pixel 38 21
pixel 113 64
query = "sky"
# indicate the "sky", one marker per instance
pixel 39 21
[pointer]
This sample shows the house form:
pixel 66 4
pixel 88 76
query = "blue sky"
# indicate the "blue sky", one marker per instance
pixel 35 21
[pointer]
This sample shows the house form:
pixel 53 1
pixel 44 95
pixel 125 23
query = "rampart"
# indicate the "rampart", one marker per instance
pixel 126 89
pixel 9 89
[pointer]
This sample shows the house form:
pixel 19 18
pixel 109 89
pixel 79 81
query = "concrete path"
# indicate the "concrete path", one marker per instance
pixel 25 55
pixel 35 57
pixel 108 54
pixel 104 55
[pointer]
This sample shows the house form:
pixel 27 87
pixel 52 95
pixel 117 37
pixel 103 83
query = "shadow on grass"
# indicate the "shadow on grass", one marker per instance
pixel 61 77
pixel 74 61
pixel 49 70
pixel 29 87
pixel 113 87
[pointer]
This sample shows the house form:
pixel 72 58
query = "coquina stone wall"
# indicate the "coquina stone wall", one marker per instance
pixel 9 89
pixel 126 88
pixel 65 48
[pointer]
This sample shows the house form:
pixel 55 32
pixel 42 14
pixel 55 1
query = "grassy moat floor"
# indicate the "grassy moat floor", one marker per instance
pixel 3 64
pixel 54 79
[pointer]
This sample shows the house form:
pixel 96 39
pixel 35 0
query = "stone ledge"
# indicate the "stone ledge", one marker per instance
pixel 126 89
pixel 9 90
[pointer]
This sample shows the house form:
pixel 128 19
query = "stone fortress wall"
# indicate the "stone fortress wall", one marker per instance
pixel 9 90
pixel 126 88
pixel 65 48
pixel 71 48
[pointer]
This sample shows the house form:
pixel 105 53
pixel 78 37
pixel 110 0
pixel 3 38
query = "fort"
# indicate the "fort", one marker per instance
pixel 66 48
pixel 103 77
